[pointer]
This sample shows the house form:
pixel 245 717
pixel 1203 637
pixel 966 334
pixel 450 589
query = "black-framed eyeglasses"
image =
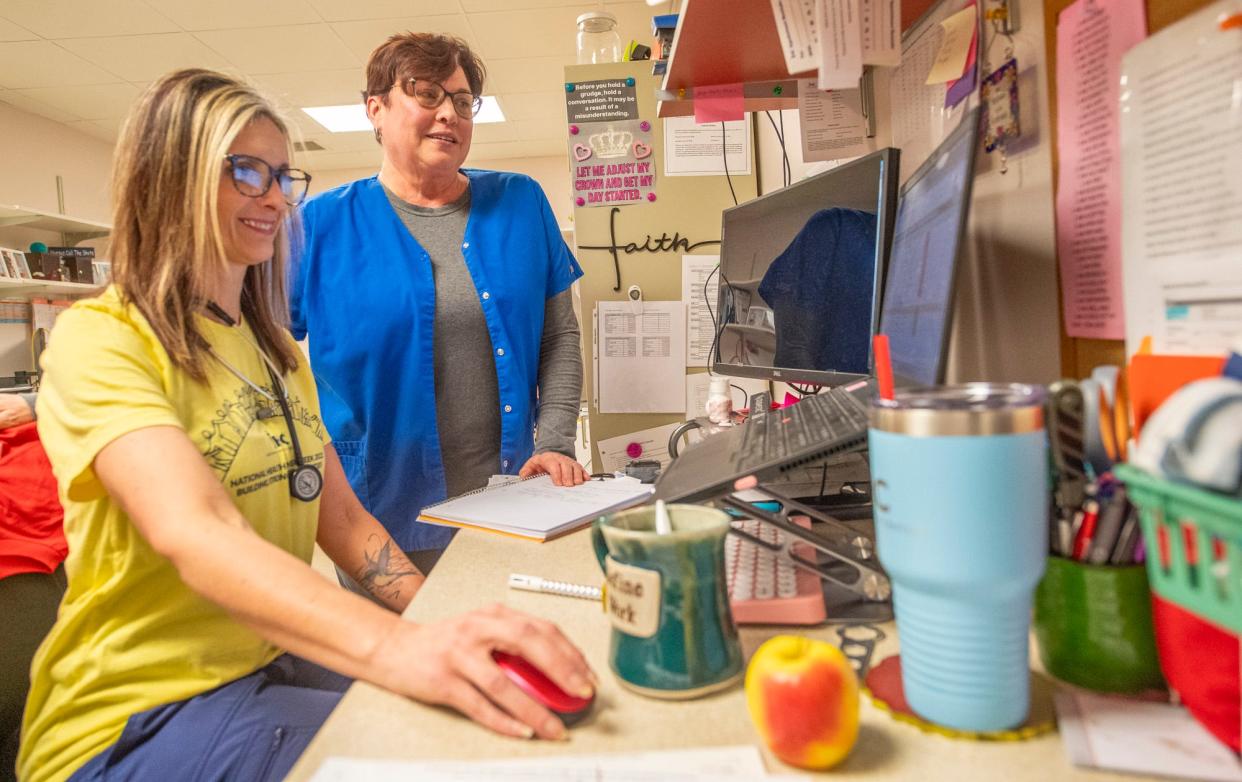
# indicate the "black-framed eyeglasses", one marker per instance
pixel 253 177
pixel 430 94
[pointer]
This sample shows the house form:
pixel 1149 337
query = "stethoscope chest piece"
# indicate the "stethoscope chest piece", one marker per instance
pixel 305 482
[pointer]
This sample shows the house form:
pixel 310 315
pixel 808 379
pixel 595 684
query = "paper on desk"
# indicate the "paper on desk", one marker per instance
pixel 840 44
pixel 959 30
pixel 1181 220
pixel 688 765
pixel 616 452
pixel 1124 734
pixel 699 150
pixel 1091 37
pixel 640 356
pixel 699 285
pixel 833 125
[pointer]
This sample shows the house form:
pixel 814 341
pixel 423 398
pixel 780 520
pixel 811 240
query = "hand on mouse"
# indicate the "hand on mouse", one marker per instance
pixel 450 663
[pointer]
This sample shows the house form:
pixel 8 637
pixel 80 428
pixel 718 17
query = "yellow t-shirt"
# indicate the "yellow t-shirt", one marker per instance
pixel 130 635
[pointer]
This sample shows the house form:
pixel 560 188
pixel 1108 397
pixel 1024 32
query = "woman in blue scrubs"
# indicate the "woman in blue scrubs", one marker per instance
pixel 437 304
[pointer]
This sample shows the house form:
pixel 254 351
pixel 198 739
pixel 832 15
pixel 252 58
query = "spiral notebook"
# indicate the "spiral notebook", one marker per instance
pixel 535 508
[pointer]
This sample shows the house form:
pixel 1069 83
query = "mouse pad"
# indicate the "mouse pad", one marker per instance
pixel 883 685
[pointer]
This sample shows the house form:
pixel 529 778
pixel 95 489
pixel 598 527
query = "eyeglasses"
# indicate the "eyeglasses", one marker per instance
pixel 430 94
pixel 253 177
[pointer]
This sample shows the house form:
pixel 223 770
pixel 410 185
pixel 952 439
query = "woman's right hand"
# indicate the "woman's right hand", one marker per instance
pixel 450 663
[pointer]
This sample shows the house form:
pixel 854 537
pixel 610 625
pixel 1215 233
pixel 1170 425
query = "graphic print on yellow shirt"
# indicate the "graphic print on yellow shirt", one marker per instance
pixel 130 635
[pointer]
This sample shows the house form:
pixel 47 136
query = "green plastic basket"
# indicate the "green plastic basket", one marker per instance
pixel 1211 587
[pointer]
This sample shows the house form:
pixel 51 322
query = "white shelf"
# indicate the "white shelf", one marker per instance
pixel 13 215
pixel 28 289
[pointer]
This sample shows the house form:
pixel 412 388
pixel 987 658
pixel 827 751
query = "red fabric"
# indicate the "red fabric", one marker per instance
pixel 32 536
pixel 1201 662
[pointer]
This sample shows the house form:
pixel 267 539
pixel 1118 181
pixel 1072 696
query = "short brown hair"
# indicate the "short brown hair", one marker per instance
pixel 408 56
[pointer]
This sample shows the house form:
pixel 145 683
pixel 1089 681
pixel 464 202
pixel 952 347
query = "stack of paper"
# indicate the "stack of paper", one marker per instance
pixel 537 509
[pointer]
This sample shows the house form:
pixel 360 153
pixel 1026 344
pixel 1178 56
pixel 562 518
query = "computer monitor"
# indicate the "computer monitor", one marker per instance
pixel 801 269
pixel 928 239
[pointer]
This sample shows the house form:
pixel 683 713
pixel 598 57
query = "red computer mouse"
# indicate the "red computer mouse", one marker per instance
pixel 536 684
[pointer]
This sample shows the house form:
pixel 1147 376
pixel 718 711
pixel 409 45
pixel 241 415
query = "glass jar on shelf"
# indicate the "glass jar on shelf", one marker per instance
pixel 598 40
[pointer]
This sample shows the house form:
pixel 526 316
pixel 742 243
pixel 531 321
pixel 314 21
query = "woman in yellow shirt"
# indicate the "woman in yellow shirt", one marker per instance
pixel 181 420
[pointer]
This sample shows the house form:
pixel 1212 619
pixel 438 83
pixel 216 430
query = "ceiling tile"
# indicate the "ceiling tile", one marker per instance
pixel 97 101
pixel 14 32
pixel 142 58
pixel 314 88
pixel 32 106
pixel 476 6
pixel 363 36
pixel 296 48
pixel 44 64
pixel 346 10
pixel 86 18
pixel 530 74
pixel 550 31
pixel 222 14
pixel 534 105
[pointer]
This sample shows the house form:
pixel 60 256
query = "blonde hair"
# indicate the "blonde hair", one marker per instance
pixel 167 241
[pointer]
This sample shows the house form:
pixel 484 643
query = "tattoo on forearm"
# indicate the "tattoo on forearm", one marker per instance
pixel 385 569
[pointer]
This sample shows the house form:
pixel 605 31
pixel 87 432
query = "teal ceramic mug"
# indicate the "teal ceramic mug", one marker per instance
pixel 667 599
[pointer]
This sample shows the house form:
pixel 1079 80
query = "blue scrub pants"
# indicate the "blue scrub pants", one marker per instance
pixel 251 729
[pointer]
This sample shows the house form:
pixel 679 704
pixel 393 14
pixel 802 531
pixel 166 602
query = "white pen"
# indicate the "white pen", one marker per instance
pixel 537 584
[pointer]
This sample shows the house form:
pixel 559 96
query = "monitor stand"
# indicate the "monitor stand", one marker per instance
pixel 856 588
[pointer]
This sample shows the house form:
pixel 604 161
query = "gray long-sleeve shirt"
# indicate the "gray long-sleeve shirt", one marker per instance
pixel 467 395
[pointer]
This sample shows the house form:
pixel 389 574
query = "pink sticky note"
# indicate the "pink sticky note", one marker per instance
pixel 718 103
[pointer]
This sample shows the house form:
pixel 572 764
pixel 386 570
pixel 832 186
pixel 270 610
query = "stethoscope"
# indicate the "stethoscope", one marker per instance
pixel 305 480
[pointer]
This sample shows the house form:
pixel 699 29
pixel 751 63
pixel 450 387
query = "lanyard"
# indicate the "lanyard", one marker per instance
pixel 305 480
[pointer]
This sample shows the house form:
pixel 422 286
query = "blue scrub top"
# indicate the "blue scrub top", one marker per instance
pixel 362 288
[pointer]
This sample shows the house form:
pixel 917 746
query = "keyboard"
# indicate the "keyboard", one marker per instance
pixel 775 434
pixel 765 589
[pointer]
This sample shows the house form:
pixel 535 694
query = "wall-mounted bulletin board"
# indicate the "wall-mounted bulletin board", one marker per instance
pixel 1079 355
pixel 634 223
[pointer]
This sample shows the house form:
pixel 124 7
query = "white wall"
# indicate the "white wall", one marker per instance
pixel 552 173
pixel 34 150
pixel 1005 319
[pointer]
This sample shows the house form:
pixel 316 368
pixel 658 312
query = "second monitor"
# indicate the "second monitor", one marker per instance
pixel 801 270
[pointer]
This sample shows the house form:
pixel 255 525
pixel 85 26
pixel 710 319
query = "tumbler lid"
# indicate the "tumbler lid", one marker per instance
pixel 967 409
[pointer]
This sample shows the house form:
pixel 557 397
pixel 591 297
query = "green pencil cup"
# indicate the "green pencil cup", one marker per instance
pixel 1093 626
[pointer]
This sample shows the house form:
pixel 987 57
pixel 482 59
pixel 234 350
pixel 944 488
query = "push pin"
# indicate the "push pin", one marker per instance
pixel 778 90
pixel 629 81
pixel 573 129
pixel 644 126
pixel 569 87
pixel 580 201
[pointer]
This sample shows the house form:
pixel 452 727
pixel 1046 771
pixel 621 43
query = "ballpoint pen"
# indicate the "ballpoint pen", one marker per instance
pixel 564 588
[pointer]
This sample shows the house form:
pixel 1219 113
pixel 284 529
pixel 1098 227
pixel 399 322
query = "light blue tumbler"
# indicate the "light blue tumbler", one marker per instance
pixel 961 513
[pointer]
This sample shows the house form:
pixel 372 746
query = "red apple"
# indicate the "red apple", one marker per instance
pixel 803 698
